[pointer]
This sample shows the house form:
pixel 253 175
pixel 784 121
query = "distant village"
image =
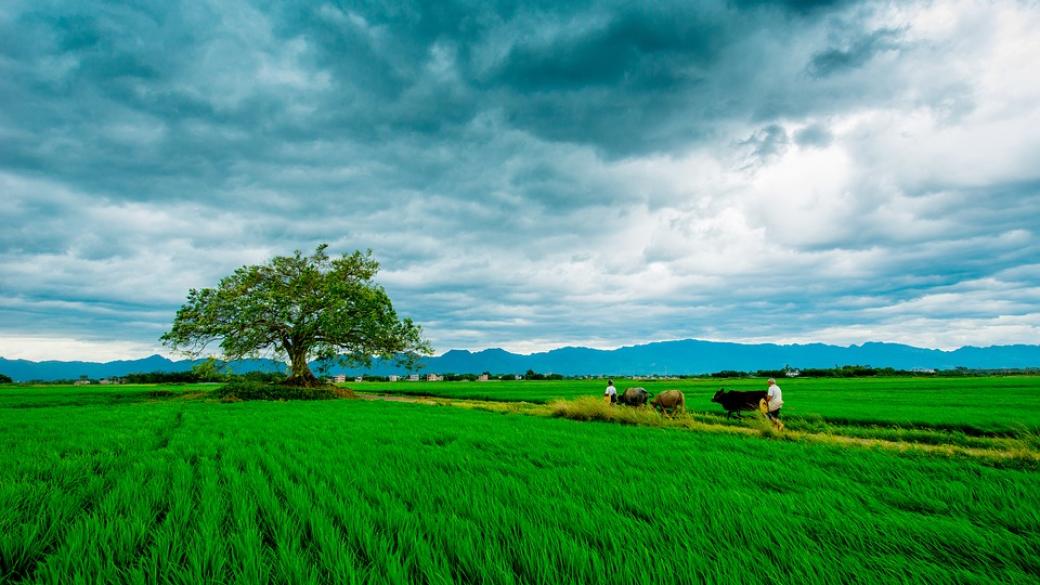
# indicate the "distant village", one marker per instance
pixel 159 377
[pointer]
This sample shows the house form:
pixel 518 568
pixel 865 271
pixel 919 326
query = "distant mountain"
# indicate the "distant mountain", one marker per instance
pixel 688 356
pixel 691 356
pixel 21 370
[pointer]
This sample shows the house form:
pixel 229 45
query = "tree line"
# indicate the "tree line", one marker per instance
pixel 866 371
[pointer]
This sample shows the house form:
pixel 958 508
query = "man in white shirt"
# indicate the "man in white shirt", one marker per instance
pixel 610 394
pixel 774 401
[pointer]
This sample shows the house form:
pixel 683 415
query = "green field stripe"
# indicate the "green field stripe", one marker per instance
pixel 286 514
pixel 76 480
pixel 281 533
pixel 207 551
pixel 188 546
pixel 102 545
pixel 167 552
pixel 306 496
pixel 36 518
pixel 202 510
pixel 249 559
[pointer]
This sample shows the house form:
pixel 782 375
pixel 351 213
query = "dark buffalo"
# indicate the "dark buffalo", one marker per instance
pixel 634 397
pixel 672 401
pixel 736 400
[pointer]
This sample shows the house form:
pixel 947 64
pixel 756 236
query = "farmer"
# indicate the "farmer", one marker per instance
pixel 774 400
pixel 610 394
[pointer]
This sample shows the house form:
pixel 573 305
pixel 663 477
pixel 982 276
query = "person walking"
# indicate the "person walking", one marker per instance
pixel 610 394
pixel 774 401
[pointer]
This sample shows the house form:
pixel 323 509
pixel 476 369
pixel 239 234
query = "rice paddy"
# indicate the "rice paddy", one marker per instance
pixel 134 485
pixel 975 405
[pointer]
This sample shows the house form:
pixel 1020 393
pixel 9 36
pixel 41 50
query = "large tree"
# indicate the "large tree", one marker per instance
pixel 301 308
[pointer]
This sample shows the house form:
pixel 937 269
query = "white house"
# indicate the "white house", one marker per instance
pixel 413 378
pixel 483 378
pixel 359 378
pixel 340 379
pixel 434 378
pixel 393 377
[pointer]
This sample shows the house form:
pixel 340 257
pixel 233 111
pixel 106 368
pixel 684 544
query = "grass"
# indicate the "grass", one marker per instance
pixel 48 396
pixel 1008 405
pixel 1005 451
pixel 183 490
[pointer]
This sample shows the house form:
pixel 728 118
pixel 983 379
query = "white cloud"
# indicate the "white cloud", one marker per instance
pixel 71 349
pixel 947 334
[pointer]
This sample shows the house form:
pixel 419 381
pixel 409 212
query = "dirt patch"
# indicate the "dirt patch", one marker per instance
pixel 397 398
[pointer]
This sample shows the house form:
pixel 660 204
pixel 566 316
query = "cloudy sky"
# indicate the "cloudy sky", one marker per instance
pixel 528 175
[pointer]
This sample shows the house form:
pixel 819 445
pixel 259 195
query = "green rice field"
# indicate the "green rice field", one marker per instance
pixel 974 404
pixel 162 484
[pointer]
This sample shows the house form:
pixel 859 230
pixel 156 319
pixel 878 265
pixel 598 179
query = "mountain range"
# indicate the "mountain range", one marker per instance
pixel 687 356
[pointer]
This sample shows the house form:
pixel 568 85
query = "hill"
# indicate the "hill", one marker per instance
pixel 688 356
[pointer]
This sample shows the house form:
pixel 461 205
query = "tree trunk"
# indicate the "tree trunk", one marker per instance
pixel 301 372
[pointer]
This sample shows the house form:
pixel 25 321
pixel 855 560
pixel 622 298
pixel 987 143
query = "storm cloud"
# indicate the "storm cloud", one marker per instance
pixel 529 175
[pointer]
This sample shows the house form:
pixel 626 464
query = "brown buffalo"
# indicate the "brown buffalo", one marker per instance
pixel 671 401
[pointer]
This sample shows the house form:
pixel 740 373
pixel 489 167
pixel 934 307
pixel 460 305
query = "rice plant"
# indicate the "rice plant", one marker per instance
pixel 354 491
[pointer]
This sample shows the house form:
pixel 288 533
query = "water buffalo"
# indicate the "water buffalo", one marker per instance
pixel 736 400
pixel 672 401
pixel 634 397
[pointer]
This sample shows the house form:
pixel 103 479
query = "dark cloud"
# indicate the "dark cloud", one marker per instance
pixel 797 6
pixel 534 173
pixel 814 135
pixel 838 60
pixel 764 146
pixel 101 86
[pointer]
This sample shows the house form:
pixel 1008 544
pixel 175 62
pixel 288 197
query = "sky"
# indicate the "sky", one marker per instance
pixel 529 175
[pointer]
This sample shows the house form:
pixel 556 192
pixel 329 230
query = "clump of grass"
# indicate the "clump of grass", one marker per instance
pixel 594 408
pixel 764 427
pixel 346 393
pixel 1032 440
pixel 250 390
pixel 500 407
pixel 767 431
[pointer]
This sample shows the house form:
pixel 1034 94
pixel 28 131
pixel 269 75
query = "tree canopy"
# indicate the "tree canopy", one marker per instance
pixel 301 308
